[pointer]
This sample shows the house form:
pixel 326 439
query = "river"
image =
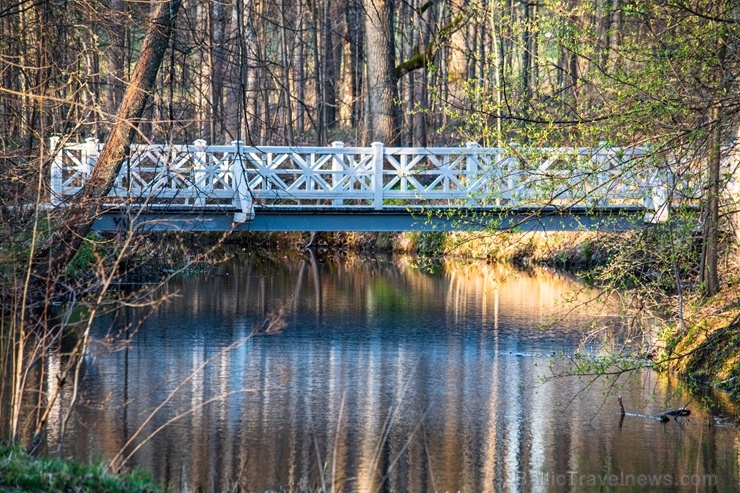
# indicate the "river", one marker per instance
pixel 373 374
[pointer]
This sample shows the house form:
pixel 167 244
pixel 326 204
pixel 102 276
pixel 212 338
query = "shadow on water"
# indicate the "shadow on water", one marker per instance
pixel 387 376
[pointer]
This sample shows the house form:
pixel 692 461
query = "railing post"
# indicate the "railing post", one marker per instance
pixel 57 170
pixel 202 185
pixel 659 199
pixel 242 196
pixel 89 155
pixel 471 171
pixel 513 194
pixel 337 175
pixel 378 175
pixel 600 178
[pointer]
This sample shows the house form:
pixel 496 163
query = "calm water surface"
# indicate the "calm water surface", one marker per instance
pixel 385 377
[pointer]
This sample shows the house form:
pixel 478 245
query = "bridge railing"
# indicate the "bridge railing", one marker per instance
pixel 236 177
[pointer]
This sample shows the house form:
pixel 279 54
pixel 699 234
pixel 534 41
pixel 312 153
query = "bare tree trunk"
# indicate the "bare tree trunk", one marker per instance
pixel 709 274
pixel 217 55
pixel 77 219
pixel 534 47
pixel 353 18
pixel 328 68
pixel 482 33
pixel 203 69
pixel 318 99
pixel 318 96
pixel 382 112
pixel 236 93
pixel 615 36
pixel 710 250
pixel 300 76
pixel 422 118
pixel 499 69
pixel 251 60
pixel 115 56
pixel 287 111
pixel 526 75
pixel 573 66
pixel 262 90
pixel 409 89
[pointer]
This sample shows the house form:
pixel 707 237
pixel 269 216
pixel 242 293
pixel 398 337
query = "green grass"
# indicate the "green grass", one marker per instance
pixel 21 473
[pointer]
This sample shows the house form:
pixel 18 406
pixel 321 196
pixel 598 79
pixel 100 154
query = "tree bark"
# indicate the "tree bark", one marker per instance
pixel 382 112
pixel 286 93
pixel 710 276
pixel 710 247
pixel 318 96
pixel 328 68
pixel 353 19
pixel 115 55
pixel 77 219
pixel 300 73
pixel 217 55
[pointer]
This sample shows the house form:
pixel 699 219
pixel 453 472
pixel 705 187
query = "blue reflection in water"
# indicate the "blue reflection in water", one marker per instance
pixel 384 378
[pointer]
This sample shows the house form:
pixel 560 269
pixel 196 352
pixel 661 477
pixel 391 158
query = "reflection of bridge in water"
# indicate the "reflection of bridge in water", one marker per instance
pixel 216 188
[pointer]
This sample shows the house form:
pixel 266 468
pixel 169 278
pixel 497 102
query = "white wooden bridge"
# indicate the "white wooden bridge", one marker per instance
pixel 202 187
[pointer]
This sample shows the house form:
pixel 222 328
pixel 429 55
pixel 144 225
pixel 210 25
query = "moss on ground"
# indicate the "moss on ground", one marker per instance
pixel 707 352
pixel 21 473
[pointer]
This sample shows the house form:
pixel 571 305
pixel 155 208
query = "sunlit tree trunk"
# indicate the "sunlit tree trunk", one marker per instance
pixel 353 18
pixel 236 83
pixel 498 70
pixel 710 250
pixel 217 56
pixel 300 72
pixel 709 274
pixel 382 112
pixel 408 11
pixel 318 116
pixel 249 87
pixel 286 93
pixel 328 68
pixel 115 56
pixel 421 119
pixel 526 68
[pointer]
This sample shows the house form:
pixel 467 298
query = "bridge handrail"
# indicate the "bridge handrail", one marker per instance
pixel 237 176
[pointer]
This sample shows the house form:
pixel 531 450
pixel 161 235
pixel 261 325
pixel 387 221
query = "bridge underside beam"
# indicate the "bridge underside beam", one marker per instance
pixel 368 220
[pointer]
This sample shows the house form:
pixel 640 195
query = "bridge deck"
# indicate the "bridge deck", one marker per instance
pixel 386 220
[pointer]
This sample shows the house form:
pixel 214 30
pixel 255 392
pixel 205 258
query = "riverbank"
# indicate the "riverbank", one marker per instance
pixel 572 251
pixel 21 472
pixel 705 350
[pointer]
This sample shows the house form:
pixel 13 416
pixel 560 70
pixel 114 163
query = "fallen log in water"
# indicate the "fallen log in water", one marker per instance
pixel 662 417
